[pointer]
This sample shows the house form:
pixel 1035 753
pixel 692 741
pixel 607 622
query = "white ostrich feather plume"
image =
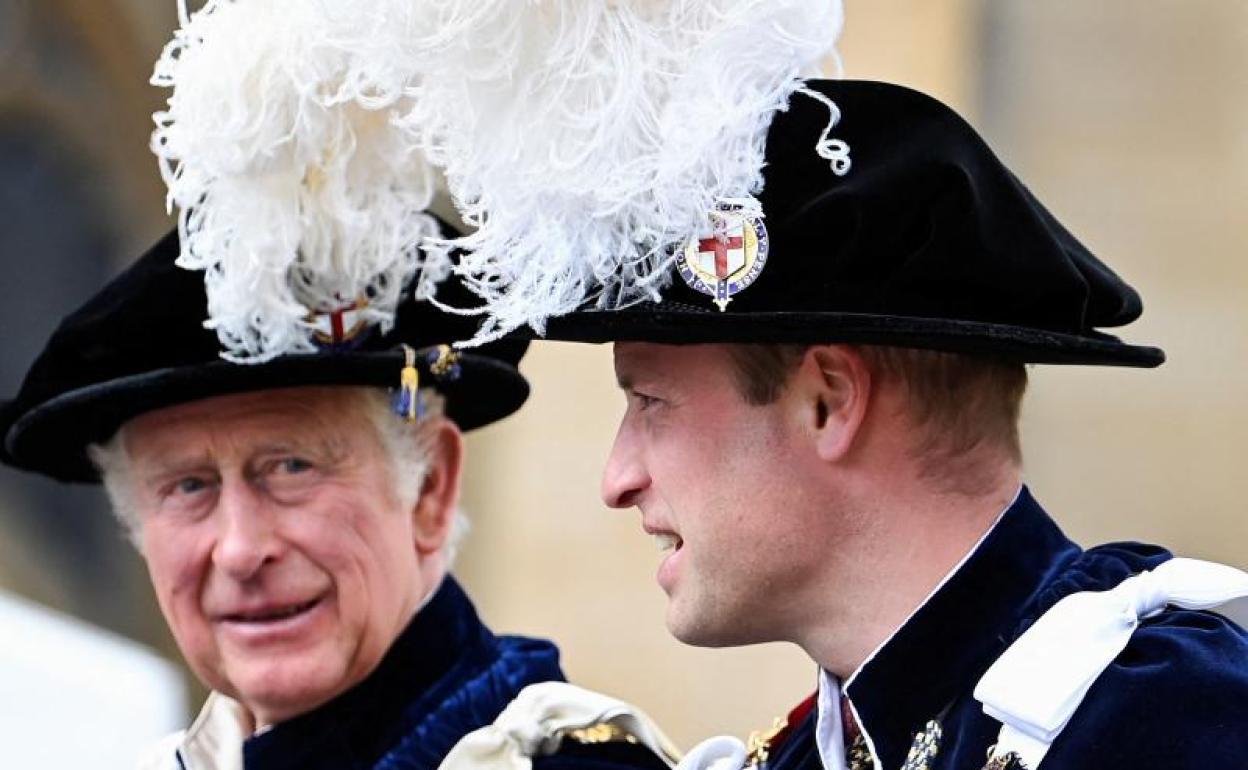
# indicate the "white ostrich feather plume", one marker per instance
pixel 587 139
pixel 297 189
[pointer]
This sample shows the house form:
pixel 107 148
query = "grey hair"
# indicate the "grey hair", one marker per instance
pixel 113 463
pixel 407 445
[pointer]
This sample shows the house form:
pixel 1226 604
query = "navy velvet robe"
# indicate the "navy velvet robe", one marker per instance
pixel 445 676
pixel 1176 698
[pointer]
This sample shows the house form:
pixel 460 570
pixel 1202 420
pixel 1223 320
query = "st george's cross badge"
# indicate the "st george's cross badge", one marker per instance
pixel 342 327
pixel 729 260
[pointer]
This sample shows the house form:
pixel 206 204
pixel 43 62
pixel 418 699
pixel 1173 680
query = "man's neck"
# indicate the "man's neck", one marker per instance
pixel 913 547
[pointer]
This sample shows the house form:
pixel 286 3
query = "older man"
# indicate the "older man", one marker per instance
pixel 297 531
pixel 822 430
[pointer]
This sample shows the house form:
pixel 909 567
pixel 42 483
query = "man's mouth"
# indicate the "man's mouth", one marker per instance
pixel 271 614
pixel 667 541
pixel 670 544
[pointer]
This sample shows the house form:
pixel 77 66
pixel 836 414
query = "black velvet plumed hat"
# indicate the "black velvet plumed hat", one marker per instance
pixel 926 241
pixel 140 345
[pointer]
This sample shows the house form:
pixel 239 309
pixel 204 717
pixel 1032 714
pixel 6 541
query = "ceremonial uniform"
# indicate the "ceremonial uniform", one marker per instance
pixel 875 216
pixel 1176 697
pixel 445 676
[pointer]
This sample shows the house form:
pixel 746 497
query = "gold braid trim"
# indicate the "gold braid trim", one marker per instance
pixel 602 732
pixel 1010 761
pixel 758 745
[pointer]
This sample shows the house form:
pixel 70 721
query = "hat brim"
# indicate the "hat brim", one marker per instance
pixel 674 323
pixel 52 437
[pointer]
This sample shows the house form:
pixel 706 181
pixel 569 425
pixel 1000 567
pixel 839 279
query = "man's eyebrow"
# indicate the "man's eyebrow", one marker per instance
pixel 278 446
pixel 323 447
pixel 630 378
pixel 172 464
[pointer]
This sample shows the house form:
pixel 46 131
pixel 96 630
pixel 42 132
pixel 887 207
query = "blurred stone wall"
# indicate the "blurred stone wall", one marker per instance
pixel 79 197
pixel 1133 124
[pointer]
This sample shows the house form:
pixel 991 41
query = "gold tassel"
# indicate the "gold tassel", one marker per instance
pixel 407 402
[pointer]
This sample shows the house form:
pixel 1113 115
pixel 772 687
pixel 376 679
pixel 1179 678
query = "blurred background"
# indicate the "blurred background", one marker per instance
pixel 1128 118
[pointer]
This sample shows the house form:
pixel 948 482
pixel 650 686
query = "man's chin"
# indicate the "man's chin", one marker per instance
pixel 698 630
pixel 279 690
pixel 700 625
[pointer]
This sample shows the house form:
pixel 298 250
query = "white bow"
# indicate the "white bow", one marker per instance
pixel 1039 682
pixel 535 723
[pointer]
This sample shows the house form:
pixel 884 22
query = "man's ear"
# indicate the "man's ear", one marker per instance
pixel 434 513
pixel 835 385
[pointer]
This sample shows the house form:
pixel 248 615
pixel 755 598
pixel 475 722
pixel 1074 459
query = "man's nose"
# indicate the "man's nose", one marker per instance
pixel 625 477
pixel 248 535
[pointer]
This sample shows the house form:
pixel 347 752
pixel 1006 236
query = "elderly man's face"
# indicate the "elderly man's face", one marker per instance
pixel 281 556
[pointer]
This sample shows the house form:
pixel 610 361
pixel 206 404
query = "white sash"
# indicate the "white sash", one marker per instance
pixel 535 723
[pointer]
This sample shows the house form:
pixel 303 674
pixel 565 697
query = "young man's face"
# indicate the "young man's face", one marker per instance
pixel 281 557
pixel 718 478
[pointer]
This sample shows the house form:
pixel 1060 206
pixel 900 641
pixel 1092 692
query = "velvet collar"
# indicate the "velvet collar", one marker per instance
pixel 1170 693
pixel 956 634
pixel 444 676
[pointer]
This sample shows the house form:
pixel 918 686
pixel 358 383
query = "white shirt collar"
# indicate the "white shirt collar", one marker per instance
pixel 215 739
pixel 829 732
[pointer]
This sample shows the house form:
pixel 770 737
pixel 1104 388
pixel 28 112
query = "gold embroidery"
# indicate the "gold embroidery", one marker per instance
pixel 444 362
pixel 924 747
pixel 1010 761
pixel 758 745
pixel 859 756
pixel 602 732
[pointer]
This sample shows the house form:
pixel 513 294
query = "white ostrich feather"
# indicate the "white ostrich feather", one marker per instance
pixel 587 139
pixel 297 190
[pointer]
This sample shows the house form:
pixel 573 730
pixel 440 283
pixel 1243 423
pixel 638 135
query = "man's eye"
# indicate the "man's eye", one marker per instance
pixel 286 476
pixel 190 485
pixel 294 465
pixel 645 402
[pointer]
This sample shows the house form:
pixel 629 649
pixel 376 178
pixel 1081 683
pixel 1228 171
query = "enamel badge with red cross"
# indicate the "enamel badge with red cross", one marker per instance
pixel 730 259
pixel 339 327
